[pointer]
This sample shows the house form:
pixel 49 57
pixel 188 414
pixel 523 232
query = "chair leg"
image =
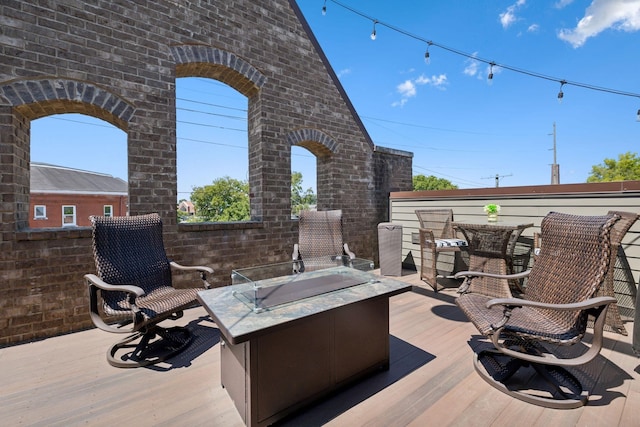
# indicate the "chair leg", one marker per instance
pixel 497 369
pixel 142 349
pixel 428 268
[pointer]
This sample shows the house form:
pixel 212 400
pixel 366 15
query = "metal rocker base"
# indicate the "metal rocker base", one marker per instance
pixel 140 349
pixel 565 391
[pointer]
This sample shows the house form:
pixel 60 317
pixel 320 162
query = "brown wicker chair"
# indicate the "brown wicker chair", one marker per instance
pixel 320 238
pixel 437 235
pixel 132 291
pixel 560 295
pixel 612 282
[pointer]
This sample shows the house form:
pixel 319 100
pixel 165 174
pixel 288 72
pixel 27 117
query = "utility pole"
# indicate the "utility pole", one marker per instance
pixel 497 178
pixel 555 167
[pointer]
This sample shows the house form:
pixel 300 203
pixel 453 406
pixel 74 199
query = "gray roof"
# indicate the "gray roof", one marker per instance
pixel 47 178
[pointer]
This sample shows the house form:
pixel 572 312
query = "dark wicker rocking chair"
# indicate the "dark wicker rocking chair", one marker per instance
pixel 132 291
pixel 561 293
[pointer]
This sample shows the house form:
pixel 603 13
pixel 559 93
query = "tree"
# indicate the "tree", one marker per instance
pixel 300 200
pixel 226 199
pixel 421 182
pixel 626 168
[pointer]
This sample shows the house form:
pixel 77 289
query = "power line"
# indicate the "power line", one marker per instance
pixel 423 126
pixel 449 176
pixel 212 105
pixel 211 114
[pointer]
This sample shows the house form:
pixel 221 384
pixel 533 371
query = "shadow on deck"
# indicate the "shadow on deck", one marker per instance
pixel 66 380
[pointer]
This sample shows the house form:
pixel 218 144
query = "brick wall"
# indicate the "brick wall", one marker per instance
pixel 118 61
pixel 86 205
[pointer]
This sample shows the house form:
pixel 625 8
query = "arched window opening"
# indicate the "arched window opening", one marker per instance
pixel 303 180
pixel 212 151
pixel 78 169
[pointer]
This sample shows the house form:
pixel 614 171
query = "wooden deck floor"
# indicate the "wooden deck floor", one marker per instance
pixel 66 381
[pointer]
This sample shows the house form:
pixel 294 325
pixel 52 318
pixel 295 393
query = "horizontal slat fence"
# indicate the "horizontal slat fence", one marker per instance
pixel 519 205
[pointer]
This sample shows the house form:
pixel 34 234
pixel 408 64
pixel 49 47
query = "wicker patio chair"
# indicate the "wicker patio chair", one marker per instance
pixel 528 333
pixel 437 235
pixel 617 264
pixel 320 239
pixel 132 291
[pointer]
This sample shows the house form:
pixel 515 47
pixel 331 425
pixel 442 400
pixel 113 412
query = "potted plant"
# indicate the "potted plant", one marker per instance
pixel 492 210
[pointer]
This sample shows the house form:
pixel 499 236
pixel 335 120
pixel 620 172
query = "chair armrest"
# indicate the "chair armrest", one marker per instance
pixel 201 269
pixel 93 283
pixel 93 280
pixel 426 234
pixel 596 342
pixel 582 305
pixel 191 267
pixel 348 252
pixel 520 275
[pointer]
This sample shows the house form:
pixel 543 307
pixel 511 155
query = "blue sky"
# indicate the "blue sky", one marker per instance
pixel 466 128
pixel 460 125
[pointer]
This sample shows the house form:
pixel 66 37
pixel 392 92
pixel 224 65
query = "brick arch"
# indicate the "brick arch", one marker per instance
pixel 36 98
pixel 221 65
pixel 318 142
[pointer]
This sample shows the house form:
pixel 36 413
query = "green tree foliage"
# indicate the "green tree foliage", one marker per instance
pixel 300 199
pixel 421 182
pixel 226 199
pixel 626 168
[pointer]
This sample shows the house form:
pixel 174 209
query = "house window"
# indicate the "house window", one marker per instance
pixel 39 212
pixel 68 216
pixel 107 210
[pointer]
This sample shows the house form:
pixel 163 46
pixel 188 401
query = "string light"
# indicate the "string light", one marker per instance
pixel 561 94
pixel 638 119
pixel 324 8
pixel 490 76
pixel 476 58
pixel 426 53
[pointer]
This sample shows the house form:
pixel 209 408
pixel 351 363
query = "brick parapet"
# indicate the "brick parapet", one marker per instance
pixel 120 64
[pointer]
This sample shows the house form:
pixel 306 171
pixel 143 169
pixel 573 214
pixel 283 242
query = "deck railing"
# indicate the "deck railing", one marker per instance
pixel 521 204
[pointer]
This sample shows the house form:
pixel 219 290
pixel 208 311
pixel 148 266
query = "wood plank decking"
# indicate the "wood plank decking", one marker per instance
pixel 66 381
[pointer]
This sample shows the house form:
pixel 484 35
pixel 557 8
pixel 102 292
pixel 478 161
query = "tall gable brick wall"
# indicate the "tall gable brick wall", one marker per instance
pixel 119 61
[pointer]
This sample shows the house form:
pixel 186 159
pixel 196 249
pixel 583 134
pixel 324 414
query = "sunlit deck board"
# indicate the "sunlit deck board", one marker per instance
pixel 431 381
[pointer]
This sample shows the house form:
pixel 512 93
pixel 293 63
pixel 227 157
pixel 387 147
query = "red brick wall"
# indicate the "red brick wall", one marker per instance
pixel 86 205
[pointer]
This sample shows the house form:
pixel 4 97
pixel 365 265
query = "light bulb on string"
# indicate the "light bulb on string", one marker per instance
pixel 561 94
pixel 490 75
pixel 638 119
pixel 427 56
pixel 324 8
pixel 373 33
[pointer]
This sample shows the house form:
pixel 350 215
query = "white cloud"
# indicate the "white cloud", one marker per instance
pixel 562 3
pixel 409 88
pixel 601 15
pixel 533 28
pixel 471 68
pixel 344 72
pixel 508 17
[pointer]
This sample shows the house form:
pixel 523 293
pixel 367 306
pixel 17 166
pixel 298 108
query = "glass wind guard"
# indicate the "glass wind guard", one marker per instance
pixel 269 286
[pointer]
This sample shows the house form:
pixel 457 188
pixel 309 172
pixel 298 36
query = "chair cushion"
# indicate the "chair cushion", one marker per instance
pixel 161 302
pixel 525 322
pixel 443 243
